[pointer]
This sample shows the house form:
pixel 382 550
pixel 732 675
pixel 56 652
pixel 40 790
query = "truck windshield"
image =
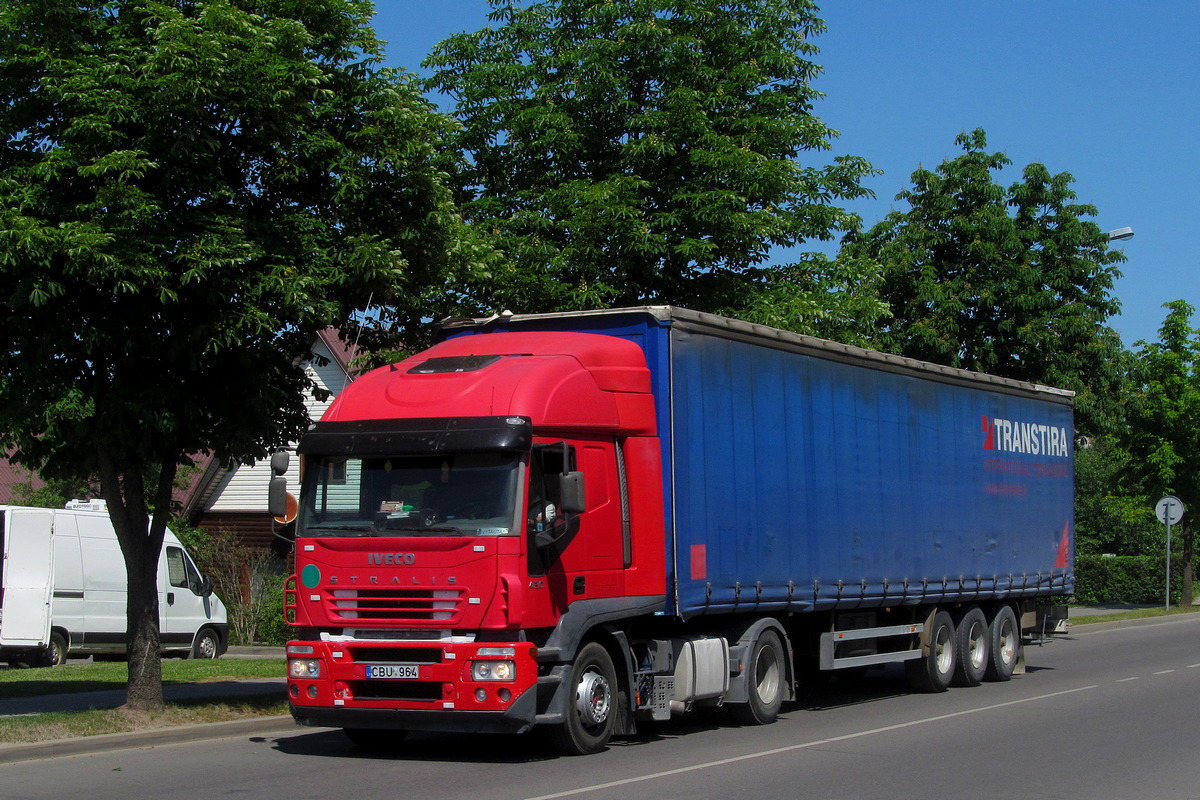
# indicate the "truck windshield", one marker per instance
pixel 471 494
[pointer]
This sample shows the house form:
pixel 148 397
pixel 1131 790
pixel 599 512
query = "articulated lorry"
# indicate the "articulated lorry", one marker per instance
pixel 582 521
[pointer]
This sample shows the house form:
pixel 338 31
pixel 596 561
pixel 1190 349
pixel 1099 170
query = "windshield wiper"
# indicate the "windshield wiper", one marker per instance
pixel 430 529
pixel 338 530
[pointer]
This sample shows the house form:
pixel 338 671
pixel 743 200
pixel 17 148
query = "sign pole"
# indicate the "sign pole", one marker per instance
pixel 1169 511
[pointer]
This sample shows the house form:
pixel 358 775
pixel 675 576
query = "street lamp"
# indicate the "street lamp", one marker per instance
pixel 1120 234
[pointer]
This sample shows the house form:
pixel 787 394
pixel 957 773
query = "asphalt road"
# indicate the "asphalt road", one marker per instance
pixel 1107 713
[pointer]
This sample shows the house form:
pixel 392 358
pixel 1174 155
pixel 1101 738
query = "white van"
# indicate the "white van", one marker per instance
pixel 63 590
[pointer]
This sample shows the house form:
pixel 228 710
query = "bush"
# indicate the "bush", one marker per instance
pixel 1126 579
pixel 249 580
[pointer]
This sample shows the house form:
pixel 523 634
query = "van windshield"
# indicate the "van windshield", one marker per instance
pixel 471 494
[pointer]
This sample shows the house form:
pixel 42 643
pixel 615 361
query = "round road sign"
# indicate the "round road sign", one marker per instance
pixel 1169 510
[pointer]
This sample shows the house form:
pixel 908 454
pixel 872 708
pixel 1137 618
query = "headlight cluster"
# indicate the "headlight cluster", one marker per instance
pixel 493 671
pixel 301 668
pixel 499 667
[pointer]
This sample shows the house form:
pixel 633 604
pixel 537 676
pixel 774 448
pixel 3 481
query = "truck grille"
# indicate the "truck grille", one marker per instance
pixel 395 606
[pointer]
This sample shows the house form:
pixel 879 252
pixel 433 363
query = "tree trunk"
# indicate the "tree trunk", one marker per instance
pixel 141 538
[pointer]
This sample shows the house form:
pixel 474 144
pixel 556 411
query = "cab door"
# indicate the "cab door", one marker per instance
pixel 182 607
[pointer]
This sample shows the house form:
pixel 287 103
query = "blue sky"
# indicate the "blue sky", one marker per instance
pixel 1107 91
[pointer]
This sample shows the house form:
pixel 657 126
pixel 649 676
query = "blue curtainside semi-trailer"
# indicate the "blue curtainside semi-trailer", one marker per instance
pixel 690 510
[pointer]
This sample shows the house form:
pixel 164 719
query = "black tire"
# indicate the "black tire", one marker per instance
pixel 379 740
pixel 593 704
pixel 934 671
pixel 207 644
pixel 971 649
pixel 56 651
pixel 1004 645
pixel 766 677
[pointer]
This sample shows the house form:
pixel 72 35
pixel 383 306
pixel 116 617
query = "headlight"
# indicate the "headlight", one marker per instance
pixel 298 668
pixel 493 671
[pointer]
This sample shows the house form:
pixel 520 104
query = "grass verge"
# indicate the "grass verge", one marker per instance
pixel 90 677
pixel 1138 613
pixel 68 725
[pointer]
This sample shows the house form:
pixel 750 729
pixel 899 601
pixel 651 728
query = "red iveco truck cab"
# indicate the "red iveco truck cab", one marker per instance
pixel 582 521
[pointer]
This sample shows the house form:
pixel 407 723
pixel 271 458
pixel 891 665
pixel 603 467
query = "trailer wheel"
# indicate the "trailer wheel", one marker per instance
pixel 375 739
pixel 1004 639
pixel 207 644
pixel 971 648
pixel 765 676
pixel 590 716
pixel 934 670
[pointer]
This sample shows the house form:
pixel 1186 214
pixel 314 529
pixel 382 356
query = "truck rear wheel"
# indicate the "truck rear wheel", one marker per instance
pixel 971 648
pixel 592 709
pixel 1004 638
pixel 765 676
pixel 933 671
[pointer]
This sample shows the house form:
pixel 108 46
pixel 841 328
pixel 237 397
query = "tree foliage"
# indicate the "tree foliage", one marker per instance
pixel 1114 513
pixel 188 190
pixel 1013 281
pixel 1164 421
pixel 646 151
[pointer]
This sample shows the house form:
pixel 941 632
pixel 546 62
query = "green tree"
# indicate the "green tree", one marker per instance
pixel 647 151
pixel 188 190
pixel 1113 509
pixel 1164 423
pixel 1016 282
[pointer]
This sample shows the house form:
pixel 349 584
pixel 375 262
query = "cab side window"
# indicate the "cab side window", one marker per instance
pixel 180 570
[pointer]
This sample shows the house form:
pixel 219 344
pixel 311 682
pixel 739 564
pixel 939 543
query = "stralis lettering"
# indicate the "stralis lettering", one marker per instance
pixel 1008 436
pixel 391 559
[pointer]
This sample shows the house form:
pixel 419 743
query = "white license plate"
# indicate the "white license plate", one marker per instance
pixel 394 671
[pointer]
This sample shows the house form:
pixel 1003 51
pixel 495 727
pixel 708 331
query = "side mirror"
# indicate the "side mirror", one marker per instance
pixel 277 497
pixel 573 498
pixel 206 587
pixel 279 463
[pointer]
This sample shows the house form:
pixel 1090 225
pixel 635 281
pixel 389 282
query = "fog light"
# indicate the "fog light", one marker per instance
pixel 295 690
pixel 481 695
pixel 312 691
pixel 505 695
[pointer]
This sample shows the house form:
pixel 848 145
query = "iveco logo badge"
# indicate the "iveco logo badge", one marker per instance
pixel 391 559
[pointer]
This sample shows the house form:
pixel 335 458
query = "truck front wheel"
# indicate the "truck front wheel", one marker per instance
pixel 589 723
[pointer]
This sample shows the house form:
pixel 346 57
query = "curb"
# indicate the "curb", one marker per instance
pixel 87 745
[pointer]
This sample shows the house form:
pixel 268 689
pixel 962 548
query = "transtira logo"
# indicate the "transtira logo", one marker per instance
pixel 1008 436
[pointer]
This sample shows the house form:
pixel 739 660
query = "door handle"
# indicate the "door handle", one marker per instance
pixel 170 598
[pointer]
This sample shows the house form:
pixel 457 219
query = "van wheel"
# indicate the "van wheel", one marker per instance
pixel 207 644
pixel 56 651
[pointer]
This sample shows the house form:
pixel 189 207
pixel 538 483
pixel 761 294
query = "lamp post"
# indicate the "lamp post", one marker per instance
pixel 1120 234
